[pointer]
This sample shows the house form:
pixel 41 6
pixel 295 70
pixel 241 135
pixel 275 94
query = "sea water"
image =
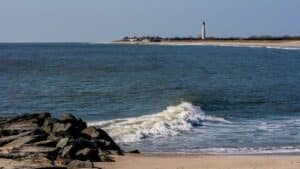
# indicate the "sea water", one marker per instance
pixel 184 99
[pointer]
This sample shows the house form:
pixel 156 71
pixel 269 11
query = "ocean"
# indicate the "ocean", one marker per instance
pixel 182 99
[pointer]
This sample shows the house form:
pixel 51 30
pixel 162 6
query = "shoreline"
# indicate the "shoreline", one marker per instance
pixel 180 154
pixel 293 44
pixel 161 161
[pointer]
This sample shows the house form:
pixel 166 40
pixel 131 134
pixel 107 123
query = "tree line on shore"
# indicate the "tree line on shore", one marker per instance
pixel 159 39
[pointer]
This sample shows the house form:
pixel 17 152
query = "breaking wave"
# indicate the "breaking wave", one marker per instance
pixel 170 122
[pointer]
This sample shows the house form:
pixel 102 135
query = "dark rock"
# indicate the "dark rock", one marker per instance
pixel 68 126
pixel 68 152
pixel 88 154
pixel 62 142
pixel 39 134
pixel 48 124
pixel 134 151
pixel 41 118
pixel 61 127
pixel 37 149
pixel 68 118
pixel 74 146
pixel 76 164
pixel 62 161
pixel 91 132
pixel 105 158
pixel 57 140
pixel 25 121
pixel 47 143
pixel 53 154
pixel 29 137
pixel 11 132
pixel 102 144
pixel 28 117
pixel 83 143
pixel 53 137
pixel 99 134
pixel 20 141
pixel 5 140
pixel 12 155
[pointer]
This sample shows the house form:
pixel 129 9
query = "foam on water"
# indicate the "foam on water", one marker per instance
pixel 170 122
pixel 283 48
pixel 248 150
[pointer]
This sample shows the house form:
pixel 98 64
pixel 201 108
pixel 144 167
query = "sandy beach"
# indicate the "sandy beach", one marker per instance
pixel 203 162
pixel 241 43
pixel 169 161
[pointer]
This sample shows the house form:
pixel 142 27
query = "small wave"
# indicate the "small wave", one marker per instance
pixel 247 150
pixel 283 48
pixel 256 46
pixel 170 122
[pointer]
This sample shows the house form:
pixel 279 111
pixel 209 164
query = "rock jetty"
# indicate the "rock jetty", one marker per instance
pixel 42 141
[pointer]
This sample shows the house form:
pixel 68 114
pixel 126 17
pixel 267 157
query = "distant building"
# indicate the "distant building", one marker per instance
pixel 132 39
pixel 146 40
pixel 203 35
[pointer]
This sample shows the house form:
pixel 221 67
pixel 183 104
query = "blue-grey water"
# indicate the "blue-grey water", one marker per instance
pixel 192 99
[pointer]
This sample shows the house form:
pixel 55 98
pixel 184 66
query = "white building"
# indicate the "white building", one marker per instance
pixel 203 35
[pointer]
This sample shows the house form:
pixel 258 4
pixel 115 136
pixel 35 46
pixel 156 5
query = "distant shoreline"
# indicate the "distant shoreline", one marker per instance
pixel 238 43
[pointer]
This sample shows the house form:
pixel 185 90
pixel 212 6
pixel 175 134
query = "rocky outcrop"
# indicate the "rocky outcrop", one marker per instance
pixel 65 142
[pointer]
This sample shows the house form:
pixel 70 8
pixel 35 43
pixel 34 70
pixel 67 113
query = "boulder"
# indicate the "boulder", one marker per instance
pixel 52 155
pixel 99 134
pixel 88 154
pixel 48 124
pixel 42 117
pixel 105 157
pixel 68 126
pixel 74 146
pixel 62 142
pixel 29 118
pixel 4 140
pixel 91 132
pixel 68 152
pixel 78 123
pixel 68 118
pixel 46 143
pixel 61 127
pixel 136 151
pixel 76 164
pixel 53 137
pixel 19 142
pixel 39 134
pixel 81 143
pixel 24 122
pixel 11 132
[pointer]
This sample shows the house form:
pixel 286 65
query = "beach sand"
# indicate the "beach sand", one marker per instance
pixel 203 162
pixel 184 162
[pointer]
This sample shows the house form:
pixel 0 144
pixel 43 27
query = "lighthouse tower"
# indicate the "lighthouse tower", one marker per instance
pixel 203 35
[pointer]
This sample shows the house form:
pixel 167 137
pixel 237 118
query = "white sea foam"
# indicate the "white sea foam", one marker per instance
pixel 247 150
pixel 170 122
pixel 283 48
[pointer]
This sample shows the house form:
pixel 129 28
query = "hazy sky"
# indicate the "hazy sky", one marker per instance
pixel 106 20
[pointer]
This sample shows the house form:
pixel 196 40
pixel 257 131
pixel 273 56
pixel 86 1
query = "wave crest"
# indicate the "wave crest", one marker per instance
pixel 170 122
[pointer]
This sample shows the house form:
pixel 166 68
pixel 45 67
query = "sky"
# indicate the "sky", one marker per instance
pixel 107 20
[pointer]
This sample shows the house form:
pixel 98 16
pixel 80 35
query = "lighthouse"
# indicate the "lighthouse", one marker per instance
pixel 203 35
